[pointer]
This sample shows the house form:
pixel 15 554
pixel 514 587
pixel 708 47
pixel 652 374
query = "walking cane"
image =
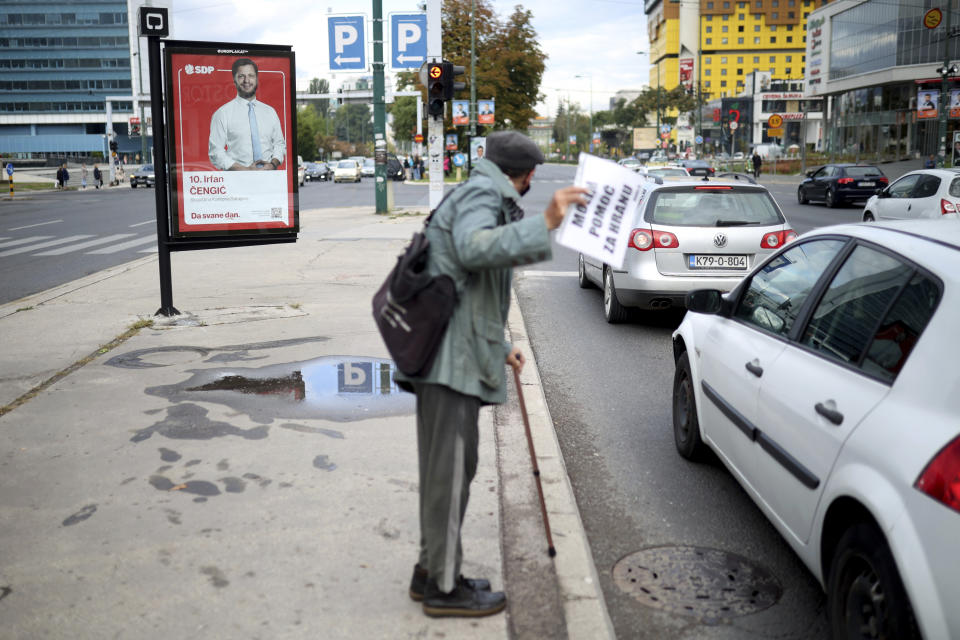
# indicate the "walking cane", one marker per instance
pixel 551 551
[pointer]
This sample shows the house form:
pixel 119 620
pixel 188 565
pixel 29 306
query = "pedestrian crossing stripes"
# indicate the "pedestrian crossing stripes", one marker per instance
pixel 47 246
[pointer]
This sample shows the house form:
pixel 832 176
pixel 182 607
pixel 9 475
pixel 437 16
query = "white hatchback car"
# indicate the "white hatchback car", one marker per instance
pixel 346 170
pixel 925 193
pixel 827 383
pixel 689 234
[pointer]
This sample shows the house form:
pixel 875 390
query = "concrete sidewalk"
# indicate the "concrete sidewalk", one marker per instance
pixel 248 469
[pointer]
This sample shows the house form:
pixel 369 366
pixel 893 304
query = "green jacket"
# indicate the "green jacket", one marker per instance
pixel 473 241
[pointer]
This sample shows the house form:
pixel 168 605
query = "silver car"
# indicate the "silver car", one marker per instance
pixel 689 234
pixel 925 193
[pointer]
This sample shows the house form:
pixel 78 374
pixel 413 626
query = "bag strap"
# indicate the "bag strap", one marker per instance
pixel 440 204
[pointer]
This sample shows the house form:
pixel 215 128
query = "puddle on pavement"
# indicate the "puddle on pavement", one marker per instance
pixel 335 388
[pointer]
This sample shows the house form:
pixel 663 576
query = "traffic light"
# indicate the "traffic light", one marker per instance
pixel 436 88
pixel 113 145
pixel 451 71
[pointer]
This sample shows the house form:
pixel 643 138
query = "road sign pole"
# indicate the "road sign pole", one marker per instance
pixel 434 124
pixel 379 111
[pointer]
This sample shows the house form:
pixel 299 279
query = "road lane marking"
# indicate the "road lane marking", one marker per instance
pixel 43 245
pixel 84 245
pixel 129 244
pixel 30 226
pixel 138 224
pixel 13 243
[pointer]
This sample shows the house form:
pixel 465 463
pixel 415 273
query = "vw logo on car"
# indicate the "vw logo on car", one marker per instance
pixel 720 240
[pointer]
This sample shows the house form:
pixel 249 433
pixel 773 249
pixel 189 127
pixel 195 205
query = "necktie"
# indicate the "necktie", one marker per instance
pixel 254 135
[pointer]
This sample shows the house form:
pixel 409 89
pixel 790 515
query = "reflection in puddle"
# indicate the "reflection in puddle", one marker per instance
pixel 337 388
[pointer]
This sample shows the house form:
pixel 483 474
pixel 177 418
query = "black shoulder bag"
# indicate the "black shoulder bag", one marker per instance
pixel 412 309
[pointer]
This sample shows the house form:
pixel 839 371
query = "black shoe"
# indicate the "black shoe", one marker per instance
pixel 418 583
pixel 463 601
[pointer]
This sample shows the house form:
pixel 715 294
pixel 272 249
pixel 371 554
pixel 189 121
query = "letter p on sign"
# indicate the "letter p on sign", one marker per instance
pixel 343 35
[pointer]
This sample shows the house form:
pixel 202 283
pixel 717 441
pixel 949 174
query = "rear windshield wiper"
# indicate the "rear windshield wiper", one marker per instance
pixel 731 223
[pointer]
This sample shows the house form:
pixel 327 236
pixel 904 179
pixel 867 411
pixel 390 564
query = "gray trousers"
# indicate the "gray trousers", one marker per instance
pixel 447 440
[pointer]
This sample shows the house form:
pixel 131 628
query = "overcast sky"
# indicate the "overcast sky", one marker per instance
pixel 598 38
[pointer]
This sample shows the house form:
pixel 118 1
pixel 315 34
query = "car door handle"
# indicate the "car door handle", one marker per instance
pixel 832 415
pixel 754 368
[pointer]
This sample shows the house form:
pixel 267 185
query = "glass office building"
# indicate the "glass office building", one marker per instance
pixel 58 63
pixel 876 64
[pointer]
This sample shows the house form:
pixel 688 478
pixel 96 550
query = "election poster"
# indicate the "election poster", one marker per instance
pixel 954 104
pixel 927 103
pixel 477 146
pixel 451 142
pixel 601 228
pixel 461 112
pixel 231 139
pixel 485 111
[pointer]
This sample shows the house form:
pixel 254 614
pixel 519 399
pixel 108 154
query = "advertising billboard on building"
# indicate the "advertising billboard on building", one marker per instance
pixel 231 139
pixel 927 104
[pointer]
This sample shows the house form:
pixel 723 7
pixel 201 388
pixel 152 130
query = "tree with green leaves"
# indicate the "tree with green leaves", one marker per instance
pixel 321 105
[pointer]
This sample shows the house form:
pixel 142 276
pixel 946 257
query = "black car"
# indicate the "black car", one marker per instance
pixel 318 172
pixel 395 169
pixel 838 184
pixel 144 176
pixel 698 168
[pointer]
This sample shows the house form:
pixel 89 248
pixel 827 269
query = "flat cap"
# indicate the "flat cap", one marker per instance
pixel 514 151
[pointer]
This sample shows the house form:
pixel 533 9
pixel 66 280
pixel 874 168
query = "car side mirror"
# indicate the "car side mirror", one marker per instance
pixel 703 301
pixel 881 193
pixel 810 173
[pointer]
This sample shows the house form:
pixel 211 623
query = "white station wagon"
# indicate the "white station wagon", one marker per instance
pixel 688 234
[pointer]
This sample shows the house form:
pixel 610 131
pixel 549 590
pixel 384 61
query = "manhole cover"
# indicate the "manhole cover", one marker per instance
pixel 708 584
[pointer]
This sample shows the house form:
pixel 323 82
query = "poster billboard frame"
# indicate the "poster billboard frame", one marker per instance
pixel 245 232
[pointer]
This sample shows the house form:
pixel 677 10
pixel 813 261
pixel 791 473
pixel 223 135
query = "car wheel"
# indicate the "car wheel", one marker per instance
pixel 582 274
pixel 868 217
pixel 133 185
pixel 613 311
pixel 865 596
pixel 802 196
pixel 829 199
pixel 686 426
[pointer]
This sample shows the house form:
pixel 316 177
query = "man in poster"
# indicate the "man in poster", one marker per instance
pixel 245 134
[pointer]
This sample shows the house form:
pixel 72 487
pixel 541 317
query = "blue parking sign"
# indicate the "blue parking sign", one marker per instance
pixel 348 50
pixel 408 40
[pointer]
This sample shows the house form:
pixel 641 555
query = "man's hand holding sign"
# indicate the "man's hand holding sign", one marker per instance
pixel 601 227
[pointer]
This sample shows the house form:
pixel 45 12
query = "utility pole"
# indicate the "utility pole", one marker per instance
pixel 945 72
pixel 379 112
pixel 473 87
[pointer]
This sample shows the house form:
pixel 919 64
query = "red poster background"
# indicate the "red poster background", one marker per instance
pixel 197 92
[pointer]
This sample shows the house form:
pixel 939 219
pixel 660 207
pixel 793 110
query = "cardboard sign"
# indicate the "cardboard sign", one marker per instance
pixel 601 229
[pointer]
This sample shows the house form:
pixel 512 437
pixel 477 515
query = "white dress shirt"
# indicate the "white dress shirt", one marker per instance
pixel 230 134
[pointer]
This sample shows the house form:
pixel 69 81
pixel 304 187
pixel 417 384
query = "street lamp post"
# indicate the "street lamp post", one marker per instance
pixel 589 75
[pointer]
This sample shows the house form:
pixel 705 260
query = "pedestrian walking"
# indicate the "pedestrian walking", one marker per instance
pixel 757 161
pixel 60 177
pixel 97 177
pixel 446 165
pixel 476 235
pixel 63 176
pixel 417 167
pixel 83 175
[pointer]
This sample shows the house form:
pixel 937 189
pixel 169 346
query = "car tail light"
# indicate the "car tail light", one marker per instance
pixel 883 180
pixel 712 188
pixel 641 239
pixel 947 207
pixel 941 479
pixel 645 239
pixel 776 239
pixel 845 181
pixel 665 240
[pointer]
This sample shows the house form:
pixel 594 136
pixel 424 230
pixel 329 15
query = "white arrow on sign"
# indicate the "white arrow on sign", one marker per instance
pixel 340 59
pixel 402 59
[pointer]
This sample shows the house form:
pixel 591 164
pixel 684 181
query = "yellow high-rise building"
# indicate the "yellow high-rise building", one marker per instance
pixel 718 43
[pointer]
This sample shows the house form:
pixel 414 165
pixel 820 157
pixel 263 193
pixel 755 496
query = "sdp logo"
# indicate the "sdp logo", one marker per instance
pixel 200 69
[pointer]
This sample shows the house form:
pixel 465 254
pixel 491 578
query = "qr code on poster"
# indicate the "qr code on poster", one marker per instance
pixel 276 213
